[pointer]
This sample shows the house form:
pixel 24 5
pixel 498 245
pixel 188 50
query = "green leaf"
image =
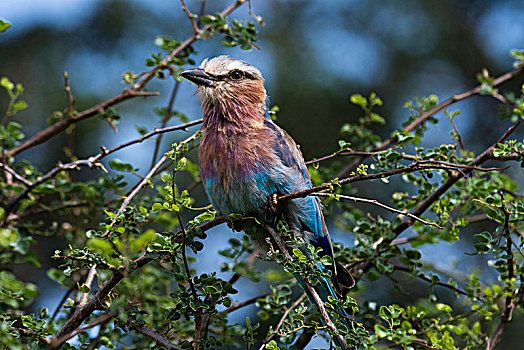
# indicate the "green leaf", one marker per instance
pixel 381 331
pixel 4 25
pixel 444 307
pixel 326 260
pixel 385 313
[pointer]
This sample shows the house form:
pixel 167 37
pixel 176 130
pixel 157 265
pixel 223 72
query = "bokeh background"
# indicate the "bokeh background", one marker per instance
pixel 314 55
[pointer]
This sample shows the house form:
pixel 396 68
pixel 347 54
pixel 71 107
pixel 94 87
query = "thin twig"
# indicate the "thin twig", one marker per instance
pixel 426 115
pixel 56 342
pixel 63 124
pixel 297 302
pixel 377 203
pixel 415 166
pixel 166 118
pixel 69 97
pixel 94 161
pixel 62 301
pixel 244 303
pixel 311 290
pixel 435 195
pixel 158 338
pixel 132 195
pixel 427 279
pixel 142 183
pixel 459 138
pixel 16 175
pixel 60 126
pixel 511 301
pixel 191 17
pixel 198 315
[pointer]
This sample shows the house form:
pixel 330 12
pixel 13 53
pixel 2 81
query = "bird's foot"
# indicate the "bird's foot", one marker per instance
pixel 273 203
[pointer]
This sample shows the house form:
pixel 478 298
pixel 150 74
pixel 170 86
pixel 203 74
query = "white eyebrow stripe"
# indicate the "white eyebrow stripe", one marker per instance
pixel 222 65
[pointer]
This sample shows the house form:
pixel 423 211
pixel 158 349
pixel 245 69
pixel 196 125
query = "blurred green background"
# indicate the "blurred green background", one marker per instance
pixel 314 55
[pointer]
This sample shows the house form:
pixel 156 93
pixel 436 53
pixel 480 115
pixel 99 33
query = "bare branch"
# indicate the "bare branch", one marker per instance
pixel 166 118
pixel 61 125
pixel 191 17
pixel 158 338
pixel 377 203
pixel 89 281
pixel 15 174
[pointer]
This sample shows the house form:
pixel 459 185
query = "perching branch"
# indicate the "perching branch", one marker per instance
pixel 415 166
pixel 377 203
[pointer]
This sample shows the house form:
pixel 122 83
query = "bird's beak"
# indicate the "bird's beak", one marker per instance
pixel 198 76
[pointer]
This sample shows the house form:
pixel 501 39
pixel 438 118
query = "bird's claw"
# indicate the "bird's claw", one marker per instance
pixel 273 202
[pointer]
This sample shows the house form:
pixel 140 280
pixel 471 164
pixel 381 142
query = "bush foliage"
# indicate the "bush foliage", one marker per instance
pixel 126 268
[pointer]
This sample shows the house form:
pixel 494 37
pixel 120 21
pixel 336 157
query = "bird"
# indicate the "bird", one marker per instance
pixel 246 161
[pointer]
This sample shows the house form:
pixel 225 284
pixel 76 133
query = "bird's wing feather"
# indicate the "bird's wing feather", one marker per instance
pixel 288 152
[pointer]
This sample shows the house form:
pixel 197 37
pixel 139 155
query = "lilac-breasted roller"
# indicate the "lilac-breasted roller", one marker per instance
pixel 245 159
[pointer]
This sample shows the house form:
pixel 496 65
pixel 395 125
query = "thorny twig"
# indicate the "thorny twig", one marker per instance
pixel 377 203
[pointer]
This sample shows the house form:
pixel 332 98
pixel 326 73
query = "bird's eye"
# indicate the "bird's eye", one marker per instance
pixel 236 75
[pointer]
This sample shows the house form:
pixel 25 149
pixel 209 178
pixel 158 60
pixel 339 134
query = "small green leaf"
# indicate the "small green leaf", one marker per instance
pixel 4 25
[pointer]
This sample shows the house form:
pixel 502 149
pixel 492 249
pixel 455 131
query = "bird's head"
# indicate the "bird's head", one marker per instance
pixel 224 81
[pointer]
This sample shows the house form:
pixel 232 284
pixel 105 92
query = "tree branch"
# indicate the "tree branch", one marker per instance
pixel 158 338
pixel 311 290
pixel 196 30
pixel 60 126
pixel 377 203
pixel 426 115
pixel 435 195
